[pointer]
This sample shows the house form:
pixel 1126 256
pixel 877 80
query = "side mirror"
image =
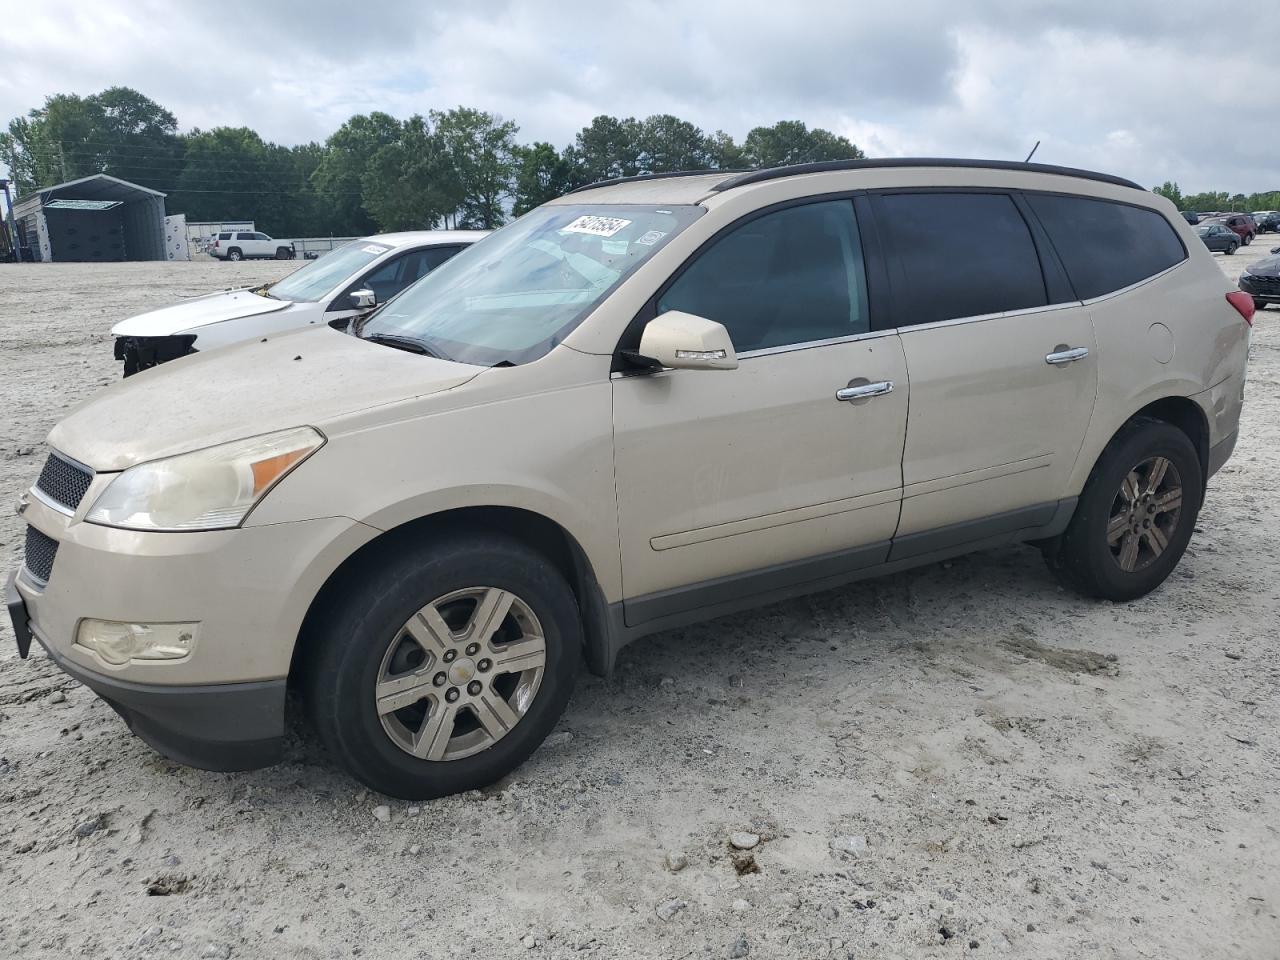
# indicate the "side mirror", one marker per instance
pixel 687 342
pixel 364 299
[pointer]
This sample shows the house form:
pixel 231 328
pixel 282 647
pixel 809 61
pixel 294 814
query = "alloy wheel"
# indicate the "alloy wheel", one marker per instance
pixel 1144 514
pixel 460 674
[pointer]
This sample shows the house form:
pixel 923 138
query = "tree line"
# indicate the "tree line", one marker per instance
pixel 457 168
pixel 1219 200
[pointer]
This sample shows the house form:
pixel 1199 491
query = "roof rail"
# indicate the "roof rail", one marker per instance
pixel 653 176
pixel 825 166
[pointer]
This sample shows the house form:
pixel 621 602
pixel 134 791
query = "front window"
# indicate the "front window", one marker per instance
pixel 512 297
pixel 318 278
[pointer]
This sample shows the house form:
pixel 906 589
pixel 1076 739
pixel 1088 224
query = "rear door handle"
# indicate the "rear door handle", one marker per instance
pixel 865 391
pixel 1070 355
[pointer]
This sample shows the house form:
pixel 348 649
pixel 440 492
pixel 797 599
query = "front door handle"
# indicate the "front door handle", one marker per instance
pixel 865 391
pixel 1063 354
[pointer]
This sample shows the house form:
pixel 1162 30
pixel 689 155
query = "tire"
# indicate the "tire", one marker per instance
pixel 283 253
pixel 234 255
pixel 1231 248
pixel 361 643
pixel 1259 304
pixel 1085 559
pixel 1248 239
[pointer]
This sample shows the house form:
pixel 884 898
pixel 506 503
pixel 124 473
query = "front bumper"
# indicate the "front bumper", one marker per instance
pixel 249 589
pixel 225 726
pixel 1261 288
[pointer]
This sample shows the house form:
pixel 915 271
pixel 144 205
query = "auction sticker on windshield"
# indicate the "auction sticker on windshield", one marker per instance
pixel 374 248
pixel 596 226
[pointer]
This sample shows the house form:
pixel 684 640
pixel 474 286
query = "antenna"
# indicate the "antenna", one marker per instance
pixel 1032 153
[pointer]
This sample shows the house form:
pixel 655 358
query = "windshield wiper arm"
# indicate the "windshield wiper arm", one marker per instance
pixel 411 344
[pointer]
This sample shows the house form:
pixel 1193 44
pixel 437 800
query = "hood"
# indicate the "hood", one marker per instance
pixel 1266 267
pixel 304 377
pixel 197 312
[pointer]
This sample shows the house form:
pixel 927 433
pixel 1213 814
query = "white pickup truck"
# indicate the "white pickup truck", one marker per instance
pixel 250 245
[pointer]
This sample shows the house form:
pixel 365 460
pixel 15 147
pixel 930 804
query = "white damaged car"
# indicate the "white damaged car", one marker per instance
pixel 347 282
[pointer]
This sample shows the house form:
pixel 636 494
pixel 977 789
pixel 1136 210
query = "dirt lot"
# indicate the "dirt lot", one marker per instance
pixel 961 760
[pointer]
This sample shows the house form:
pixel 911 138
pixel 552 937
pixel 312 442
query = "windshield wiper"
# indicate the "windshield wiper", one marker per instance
pixel 410 344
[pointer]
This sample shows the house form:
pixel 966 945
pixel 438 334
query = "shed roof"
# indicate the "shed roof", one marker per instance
pixel 98 186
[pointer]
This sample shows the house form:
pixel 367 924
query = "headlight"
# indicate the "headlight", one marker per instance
pixel 210 489
pixel 118 643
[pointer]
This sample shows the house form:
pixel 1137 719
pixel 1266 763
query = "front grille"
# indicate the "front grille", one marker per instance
pixel 40 553
pixel 1254 283
pixel 64 482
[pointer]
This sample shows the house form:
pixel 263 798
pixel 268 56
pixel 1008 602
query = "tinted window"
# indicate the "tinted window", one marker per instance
pixel 224 236
pixel 962 255
pixel 244 236
pixel 1106 246
pixel 793 276
pixel 392 277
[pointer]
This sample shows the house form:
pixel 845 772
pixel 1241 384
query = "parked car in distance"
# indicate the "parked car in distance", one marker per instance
pixel 348 281
pixel 1240 223
pixel 1218 238
pixel 645 403
pixel 1267 220
pixel 250 245
pixel 1190 216
pixel 1261 280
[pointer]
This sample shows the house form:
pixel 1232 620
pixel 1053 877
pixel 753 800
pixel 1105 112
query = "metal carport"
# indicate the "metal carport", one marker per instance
pixel 95 218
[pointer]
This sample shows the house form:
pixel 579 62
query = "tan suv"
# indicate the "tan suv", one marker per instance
pixel 645 403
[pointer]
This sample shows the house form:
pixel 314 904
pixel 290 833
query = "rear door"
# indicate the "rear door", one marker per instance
pixel 1002 360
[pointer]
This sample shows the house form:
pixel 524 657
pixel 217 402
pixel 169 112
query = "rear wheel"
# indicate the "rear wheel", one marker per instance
pixel 1135 516
pixel 234 254
pixel 442 670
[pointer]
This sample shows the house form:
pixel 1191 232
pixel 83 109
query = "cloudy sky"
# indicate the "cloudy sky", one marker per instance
pixel 1142 88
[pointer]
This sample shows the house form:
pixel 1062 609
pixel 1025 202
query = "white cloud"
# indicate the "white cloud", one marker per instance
pixel 1137 88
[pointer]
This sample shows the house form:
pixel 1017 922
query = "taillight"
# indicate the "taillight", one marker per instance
pixel 1243 303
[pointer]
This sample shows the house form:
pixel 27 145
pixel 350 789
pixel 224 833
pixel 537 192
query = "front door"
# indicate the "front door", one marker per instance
pixel 741 482
pixel 1003 368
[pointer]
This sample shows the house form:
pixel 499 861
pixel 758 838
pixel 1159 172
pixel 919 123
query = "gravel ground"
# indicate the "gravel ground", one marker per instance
pixel 963 760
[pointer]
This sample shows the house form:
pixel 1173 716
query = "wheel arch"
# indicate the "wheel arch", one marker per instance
pixel 532 529
pixel 1177 410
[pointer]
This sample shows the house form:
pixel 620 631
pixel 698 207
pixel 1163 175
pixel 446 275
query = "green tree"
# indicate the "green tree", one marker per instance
pixel 790 141
pixel 542 174
pixel 118 131
pixel 666 143
pixel 339 177
pixel 725 154
pixel 605 149
pixel 228 175
pixel 1170 190
pixel 410 184
pixel 481 148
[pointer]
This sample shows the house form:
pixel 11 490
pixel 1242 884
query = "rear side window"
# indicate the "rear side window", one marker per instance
pixel 224 236
pixel 961 255
pixel 793 276
pixel 1106 246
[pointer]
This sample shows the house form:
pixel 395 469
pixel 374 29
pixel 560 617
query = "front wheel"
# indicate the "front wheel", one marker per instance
pixel 1135 517
pixel 443 669
pixel 1259 304
pixel 283 253
pixel 1231 248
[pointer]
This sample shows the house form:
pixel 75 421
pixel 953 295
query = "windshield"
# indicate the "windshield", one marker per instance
pixel 1204 231
pixel 320 278
pixel 513 296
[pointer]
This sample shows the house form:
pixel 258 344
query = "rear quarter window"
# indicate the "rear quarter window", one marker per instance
pixel 1106 246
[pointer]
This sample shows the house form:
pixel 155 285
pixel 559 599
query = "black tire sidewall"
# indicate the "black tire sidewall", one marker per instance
pixel 1086 542
pixel 353 642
